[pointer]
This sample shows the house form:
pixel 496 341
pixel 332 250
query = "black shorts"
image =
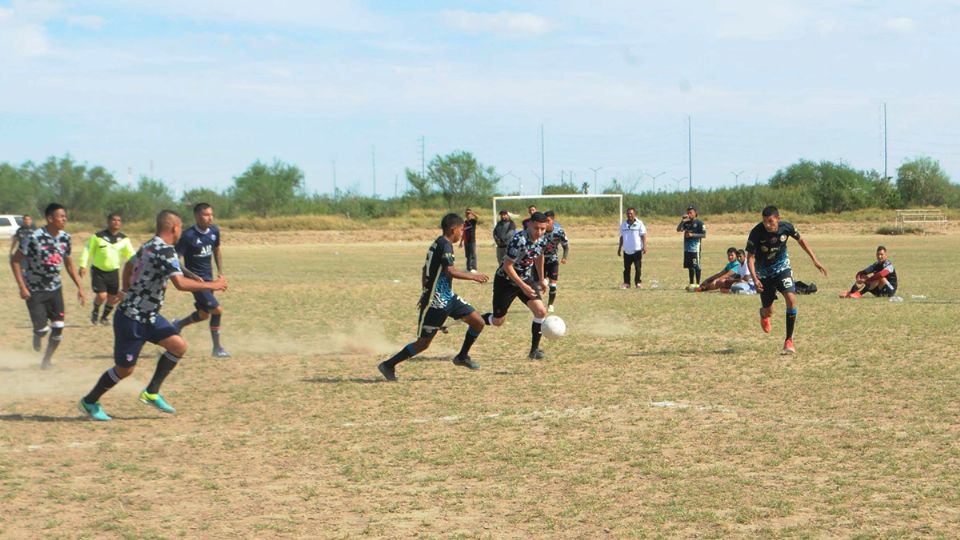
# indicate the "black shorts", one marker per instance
pixel 102 281
pixel 551 270
pixel 782 282
pixel 691 259
pixel 431 318
pixel 883 291
pixel 44 306
pixel 504 291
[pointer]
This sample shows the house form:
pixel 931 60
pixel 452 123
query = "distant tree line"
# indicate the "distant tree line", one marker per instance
pixel 454 181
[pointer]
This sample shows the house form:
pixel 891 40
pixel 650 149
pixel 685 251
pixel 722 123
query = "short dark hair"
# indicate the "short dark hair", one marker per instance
pixel 531 206
pixel 450 221
pixel 112 215
pixel 770 211
pixel 200 207
pixel 53 207
pixel 549 214
pixel 731 250
pixel 741 252
pixel 27 215
pixel 538 217
pixel 884 248
pixel 632 208
pixel 165 218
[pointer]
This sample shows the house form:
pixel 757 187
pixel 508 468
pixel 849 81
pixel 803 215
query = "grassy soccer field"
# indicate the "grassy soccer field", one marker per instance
pixel 661 413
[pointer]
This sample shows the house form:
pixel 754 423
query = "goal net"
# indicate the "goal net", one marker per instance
pixel 567 204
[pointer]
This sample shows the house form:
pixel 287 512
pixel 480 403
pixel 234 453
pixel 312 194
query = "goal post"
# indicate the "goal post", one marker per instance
pixel 533 198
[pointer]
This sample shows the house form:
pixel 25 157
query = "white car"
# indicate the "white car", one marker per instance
pixel 9 225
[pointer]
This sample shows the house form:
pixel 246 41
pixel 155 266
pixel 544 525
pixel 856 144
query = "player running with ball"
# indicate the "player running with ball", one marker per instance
pixel 768 261
pixel 521 276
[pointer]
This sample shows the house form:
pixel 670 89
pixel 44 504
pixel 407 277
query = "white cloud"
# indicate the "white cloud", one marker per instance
pixel 901 25
pixel 759 20
pixel 20 37
pixel 504 23
pixel 93 22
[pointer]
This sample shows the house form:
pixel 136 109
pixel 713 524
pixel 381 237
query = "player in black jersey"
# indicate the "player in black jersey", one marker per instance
pixel 521 276
pixel 438 301
pixel 878 279
pixel 770 266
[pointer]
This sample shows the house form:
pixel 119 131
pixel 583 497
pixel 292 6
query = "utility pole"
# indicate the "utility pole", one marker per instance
pixel 543 162
pixel 885 140
pixel 595 178
pixel 333 165
pixel 654 177
pixel 736 177
pixel 689 154
pixel 396 185
pixel 373 157
pixel 423 157
pixel 677 182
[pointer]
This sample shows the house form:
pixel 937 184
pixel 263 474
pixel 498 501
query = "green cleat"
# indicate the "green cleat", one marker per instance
pixel 156 401
pixel 94 411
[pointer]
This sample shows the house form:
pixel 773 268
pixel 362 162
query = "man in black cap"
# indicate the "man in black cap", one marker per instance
pixel 693 231
pixel 502 233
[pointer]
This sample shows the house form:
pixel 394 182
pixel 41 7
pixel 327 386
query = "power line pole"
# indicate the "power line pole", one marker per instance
pixel 423 156
pixel 333 165
pixel 736 177
pixel 396 185
pixel 543 174
pixel 373 157
pixel 654 177
pixel 689 154
pixel 595 178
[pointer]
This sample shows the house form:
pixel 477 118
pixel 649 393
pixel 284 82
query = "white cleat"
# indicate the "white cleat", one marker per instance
pixel 550 308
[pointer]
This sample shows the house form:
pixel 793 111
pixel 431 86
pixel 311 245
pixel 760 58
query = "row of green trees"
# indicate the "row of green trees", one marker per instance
pixel 454 181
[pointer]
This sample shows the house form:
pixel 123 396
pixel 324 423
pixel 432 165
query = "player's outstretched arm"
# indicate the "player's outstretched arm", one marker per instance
pixel 185 284
pixel 806 247
pixel 460 274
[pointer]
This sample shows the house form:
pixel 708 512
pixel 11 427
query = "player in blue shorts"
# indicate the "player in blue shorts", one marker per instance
pixel 769 263
pixel 198 245
pixel 438 301
pixel 138 318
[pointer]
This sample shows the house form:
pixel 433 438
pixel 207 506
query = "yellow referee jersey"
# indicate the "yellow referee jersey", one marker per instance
pixel 106 251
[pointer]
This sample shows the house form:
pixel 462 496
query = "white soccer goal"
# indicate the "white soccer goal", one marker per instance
pixel 533 198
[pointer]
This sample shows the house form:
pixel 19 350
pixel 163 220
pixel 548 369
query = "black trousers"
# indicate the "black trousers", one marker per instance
pixel 635 260
pixel 470 250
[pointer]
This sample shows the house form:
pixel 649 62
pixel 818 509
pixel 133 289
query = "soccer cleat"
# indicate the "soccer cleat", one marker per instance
pixel 765 323
pixel 550 308
pixel 220 352
pixel 465 361
pixel 854 294
pixel 46 364
pixel 93 318
pixel 94 411
pixel 389 372
pixel 788 347
pixel 156 401
pixel 104 322
pixel 37 342
pixel 536 354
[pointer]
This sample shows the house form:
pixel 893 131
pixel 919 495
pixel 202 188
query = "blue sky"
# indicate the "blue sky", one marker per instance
pixel 195 91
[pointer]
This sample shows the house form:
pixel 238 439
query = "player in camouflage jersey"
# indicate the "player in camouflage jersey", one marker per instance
pixel 521 276
pixel 770 266
pixel 36 267
pixel 438 301
pixel 554 238
pixel 138 318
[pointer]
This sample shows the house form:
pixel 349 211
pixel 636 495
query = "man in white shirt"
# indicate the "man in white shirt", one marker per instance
pixel 633 244
pixel 744 283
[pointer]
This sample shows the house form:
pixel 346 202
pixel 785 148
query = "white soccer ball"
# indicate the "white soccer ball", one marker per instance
pixel 553 327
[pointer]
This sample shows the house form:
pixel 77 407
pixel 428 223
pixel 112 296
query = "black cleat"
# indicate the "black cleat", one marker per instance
pixel 37 342
pixel 46 364
pixel 388 372
pixel 466 362
pixel 93 318
pixel 536 354
pixel 104 322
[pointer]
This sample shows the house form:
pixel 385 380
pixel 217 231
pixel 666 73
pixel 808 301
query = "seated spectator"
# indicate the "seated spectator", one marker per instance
pixel 878 279
pixel 725 278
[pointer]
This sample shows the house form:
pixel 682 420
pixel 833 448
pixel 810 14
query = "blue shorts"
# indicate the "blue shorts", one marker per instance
pixel 205 301
pixel 130 335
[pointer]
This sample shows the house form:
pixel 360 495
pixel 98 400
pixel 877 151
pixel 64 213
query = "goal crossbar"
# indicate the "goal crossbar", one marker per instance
pixel 618 196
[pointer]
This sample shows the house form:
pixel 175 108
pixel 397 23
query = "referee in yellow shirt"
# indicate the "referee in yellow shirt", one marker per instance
pixel 106 252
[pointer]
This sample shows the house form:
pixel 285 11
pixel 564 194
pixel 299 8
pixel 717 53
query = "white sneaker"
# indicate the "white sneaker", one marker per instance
pixel 550 308
pixel 473 271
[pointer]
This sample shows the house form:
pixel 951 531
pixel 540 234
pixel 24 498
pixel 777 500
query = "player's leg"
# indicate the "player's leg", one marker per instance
pixel 112 281
pixel 471 252
pixel 429 322
pixel 38 317
pixel 199 312
pixel 55 313
pixel 767 297
pixel 216 315
pixel 128 340
pixel 465 312
pixel 688 258
pixel 504 293
pixel 627 263
pixel 539 311
pixel 552 272
pixel 99 294
pixel 638 268
pixel 696 265
pixel 165 335
pixel 788 288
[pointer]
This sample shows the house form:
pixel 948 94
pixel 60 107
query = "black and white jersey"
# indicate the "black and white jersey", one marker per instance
pixel 524 253
pixel 770 248
pixel 552 241
pixel 437 284
pixel 155 263
pixel 43 256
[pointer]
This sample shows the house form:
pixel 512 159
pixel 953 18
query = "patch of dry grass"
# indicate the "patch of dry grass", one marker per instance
pixel 662 413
